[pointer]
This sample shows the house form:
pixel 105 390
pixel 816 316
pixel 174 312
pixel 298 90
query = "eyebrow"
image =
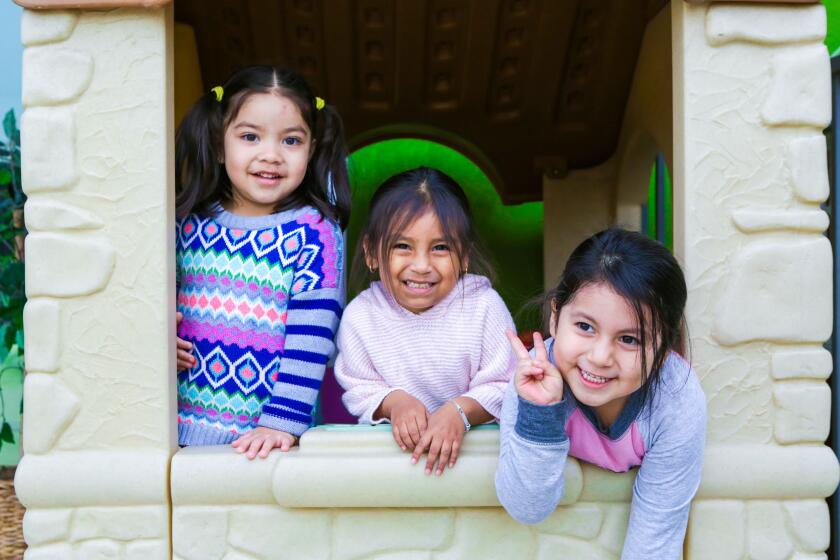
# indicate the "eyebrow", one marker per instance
pixel 246 124
pixel 435 241
pixel 581 315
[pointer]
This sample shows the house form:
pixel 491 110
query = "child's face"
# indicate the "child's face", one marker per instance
pixel 597 349
pixel 266 151
pixel 422 265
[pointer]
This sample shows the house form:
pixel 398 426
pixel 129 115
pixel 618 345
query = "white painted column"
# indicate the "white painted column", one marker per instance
pixel 751 98
pixel 99 425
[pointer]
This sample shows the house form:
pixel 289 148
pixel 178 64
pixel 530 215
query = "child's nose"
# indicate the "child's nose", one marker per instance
pixel 600 353
pixel 271 152
pixel 421 262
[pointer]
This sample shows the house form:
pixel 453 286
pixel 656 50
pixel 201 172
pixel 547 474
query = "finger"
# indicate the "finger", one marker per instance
pixel 266 448
pixel 414 431
pixel 406 436
pixel 183 344
pixel 254 448
pixel 185 356
pixel 453 457
pixel 241 443
pixel 539 348
pixel 423 422
pixel 434 451
pixel 178 317
pixel 443 460
pixel 420 448
pixel 286 443
pixel 396 431
pixel 518 348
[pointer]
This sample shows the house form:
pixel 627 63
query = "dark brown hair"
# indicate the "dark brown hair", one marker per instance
pixel 200 179
pixel 407 196
pixel 647 276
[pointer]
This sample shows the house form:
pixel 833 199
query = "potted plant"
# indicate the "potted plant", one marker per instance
pixel 12 294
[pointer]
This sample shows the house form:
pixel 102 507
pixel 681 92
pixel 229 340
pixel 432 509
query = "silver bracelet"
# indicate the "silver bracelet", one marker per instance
pixel 463 415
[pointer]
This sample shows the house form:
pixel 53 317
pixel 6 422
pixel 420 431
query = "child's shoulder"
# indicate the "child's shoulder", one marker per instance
pixel 680 390
pixel 479 292
pixel 475 286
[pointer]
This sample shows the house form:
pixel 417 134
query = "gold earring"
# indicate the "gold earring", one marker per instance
pixel 372 270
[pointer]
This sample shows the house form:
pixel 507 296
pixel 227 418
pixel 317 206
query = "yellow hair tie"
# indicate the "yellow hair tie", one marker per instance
pixel 319 103
pixel 219 91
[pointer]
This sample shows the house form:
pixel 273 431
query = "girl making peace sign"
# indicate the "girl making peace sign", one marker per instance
pixel 610 388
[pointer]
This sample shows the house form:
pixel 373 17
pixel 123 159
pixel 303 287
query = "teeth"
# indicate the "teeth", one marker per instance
pixel 268 175
pixel 592 378
pixel 411 284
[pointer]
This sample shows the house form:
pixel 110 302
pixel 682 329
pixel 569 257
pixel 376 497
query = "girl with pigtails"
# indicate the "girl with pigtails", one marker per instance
pixel 262 199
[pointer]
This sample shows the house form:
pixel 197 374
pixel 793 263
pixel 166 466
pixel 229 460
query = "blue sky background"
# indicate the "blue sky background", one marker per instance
pixel 11 52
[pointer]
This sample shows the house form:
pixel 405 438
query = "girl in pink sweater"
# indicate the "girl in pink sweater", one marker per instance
pixel 424 346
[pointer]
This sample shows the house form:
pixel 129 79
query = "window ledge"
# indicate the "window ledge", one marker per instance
pixel 361 467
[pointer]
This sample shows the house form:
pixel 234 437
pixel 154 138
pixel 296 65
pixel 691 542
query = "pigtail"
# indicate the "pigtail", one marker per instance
pixel 328 167
pixel 198 154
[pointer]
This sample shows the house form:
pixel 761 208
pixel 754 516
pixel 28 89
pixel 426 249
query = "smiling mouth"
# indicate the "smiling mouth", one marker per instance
pixel 266 175
pixel 592 378
pixel 418 285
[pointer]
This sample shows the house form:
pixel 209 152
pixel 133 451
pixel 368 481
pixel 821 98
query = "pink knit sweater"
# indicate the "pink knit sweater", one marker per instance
pixel 456 348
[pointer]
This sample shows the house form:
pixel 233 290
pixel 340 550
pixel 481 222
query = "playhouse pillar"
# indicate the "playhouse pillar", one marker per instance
pixel 99 405
pixel 751 98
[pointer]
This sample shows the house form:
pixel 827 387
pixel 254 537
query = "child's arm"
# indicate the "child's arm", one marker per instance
pixel 534 445
pixel 314 308
pixel 669 475
pixel 368 394
pixel 365 389
pixel 487 384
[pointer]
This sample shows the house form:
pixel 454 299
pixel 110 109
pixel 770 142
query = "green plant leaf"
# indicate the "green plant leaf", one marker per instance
pixel 5 177
pixel 9 124
pixel 6 433
pixel 19 340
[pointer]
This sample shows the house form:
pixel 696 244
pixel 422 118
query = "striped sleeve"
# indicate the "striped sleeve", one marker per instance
pixel 311 324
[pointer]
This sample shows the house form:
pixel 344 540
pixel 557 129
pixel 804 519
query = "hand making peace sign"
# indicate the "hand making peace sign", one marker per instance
pixel 536 379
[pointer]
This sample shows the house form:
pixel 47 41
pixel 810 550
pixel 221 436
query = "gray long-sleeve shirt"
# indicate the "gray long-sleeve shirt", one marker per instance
pixel 665 436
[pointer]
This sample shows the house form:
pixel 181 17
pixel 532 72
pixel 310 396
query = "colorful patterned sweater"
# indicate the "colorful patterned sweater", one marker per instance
pixel 261 298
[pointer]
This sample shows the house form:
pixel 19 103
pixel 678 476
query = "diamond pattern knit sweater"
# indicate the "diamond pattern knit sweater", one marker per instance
pixel 261 298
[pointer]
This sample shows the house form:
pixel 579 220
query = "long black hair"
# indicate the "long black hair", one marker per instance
pixel 403 198
pixel 647 276
pixel 200 178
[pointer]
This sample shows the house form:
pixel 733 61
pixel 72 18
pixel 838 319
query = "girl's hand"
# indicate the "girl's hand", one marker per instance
pixel 261 440
pixel 408 416
pixel 185 358
pixel 442 438
pixel 536 379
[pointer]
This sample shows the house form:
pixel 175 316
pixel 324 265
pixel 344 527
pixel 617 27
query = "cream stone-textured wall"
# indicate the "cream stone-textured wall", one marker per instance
pixel 751 96
pixel 98 393
pixel 350 493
